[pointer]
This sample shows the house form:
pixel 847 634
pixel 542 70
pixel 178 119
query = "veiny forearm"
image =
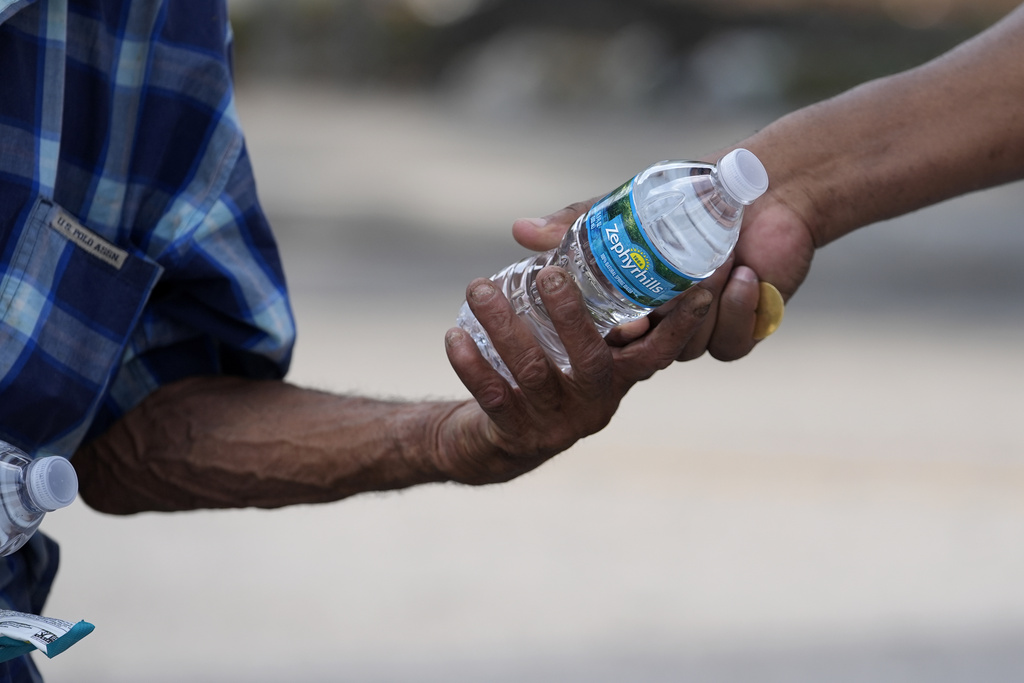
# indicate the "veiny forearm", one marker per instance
pixel 226 442
pixel 900 143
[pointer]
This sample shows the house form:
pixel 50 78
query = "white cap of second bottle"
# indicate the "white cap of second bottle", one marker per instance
pixel 52 483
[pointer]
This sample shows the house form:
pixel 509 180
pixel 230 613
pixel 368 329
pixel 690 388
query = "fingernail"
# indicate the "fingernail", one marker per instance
pixel 552 282
pixel 452 337
pixel 482 292
pixel 538 222
pixel 702 299
pixel 745 273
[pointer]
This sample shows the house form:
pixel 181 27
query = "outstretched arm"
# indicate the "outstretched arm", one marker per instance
pixel 216 442
pixel 886 148
pixel 883 149
pixel 212 442
pixel 897 144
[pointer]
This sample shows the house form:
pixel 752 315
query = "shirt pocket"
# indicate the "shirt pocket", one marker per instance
pixel 69 301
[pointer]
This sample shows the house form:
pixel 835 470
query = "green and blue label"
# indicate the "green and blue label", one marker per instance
pixel 620 247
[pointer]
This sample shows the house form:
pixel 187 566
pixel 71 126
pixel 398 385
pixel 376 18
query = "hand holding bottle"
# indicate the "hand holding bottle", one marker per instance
pixel 775 246
pixel 508 431
pixel 672 225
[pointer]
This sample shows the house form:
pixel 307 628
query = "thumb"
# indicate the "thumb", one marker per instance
pixel 541 234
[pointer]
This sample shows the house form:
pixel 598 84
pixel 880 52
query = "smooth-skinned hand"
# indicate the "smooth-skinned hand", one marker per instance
pixel 775 245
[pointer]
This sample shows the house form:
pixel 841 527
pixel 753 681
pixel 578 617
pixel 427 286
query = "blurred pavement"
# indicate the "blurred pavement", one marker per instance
pixel 846 504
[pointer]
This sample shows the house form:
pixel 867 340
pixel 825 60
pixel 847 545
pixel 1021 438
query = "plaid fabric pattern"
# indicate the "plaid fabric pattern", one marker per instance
pixel 133 250
pixel 119 116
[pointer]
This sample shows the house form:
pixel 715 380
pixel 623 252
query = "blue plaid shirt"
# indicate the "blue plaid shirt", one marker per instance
pixel 133 251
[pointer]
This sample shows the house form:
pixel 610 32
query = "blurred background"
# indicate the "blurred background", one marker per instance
pixel 846 504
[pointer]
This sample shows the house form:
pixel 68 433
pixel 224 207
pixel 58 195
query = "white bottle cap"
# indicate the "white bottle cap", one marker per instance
pixel 52 483
pixel 742 175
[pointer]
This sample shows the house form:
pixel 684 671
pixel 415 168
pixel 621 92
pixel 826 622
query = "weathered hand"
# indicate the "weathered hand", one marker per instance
pixel 508 431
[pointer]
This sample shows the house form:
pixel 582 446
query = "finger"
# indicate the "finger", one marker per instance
pixel 487 386
pixel 715 284
pixel 514 343
pixel 663 345
pixel 733 335
pixel 511 337
pixel 628 332
pixel 588 353
pixel 500 403
pixel 541 234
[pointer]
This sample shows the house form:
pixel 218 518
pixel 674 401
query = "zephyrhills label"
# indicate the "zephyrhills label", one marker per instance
pixel 627 259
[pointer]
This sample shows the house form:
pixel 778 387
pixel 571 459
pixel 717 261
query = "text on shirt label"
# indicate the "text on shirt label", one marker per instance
pixel 88 240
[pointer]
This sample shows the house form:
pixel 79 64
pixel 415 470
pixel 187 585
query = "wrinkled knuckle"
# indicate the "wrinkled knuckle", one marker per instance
pixel 571 316
pixel 596 365
pixel 498 326
pixel 561 303
pixel 532 369
pixel 494 397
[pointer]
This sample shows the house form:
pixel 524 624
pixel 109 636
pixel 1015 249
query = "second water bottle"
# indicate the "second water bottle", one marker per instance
pixel 28 490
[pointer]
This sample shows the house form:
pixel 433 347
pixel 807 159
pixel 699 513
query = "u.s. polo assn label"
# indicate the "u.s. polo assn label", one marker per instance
pixel 88 240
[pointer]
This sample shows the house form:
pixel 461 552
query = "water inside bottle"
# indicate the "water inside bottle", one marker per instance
pixel 688 221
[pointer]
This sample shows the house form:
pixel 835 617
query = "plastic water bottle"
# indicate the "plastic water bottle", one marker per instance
pixel 651 239
pixel 29 489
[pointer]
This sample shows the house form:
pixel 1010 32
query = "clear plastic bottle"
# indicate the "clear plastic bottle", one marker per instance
pixel 652 238
pixel 28 490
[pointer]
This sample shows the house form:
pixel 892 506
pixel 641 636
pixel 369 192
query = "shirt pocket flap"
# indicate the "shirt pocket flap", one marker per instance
pixel 68 304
